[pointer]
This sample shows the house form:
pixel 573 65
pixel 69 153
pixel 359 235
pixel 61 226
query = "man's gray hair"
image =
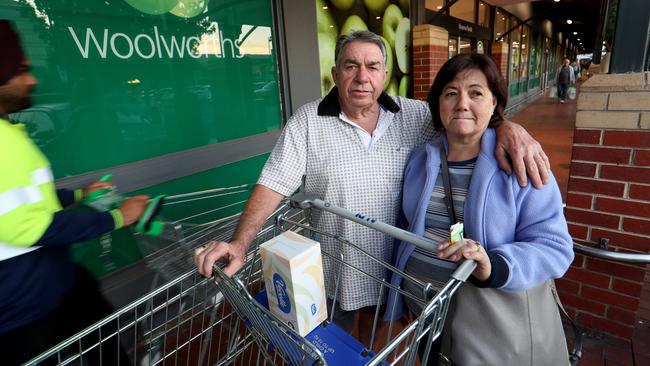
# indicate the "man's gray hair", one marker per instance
pixel 358 36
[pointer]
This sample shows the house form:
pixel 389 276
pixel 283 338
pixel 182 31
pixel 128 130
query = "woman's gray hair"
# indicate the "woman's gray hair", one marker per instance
pixel 358 36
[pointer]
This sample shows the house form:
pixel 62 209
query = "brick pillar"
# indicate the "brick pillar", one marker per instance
pixel 500 57
pixel 430 51
pixel 609 198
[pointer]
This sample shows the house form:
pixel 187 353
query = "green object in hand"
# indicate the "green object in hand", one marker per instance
pixel 104 199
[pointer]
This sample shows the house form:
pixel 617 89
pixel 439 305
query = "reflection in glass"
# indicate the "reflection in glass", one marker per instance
pixel 453 47
pixel 500 24
pixel 464 46
pixel 523 73
pixel 463 9
pixel 135 86
pixel 515 36
pixel 434 5
pixel 483 14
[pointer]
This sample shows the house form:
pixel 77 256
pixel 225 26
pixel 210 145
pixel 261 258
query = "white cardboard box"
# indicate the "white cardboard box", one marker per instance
pixel 293 276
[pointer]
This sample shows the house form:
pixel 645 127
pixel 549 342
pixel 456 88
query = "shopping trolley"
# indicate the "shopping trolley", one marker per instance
pixel 191 320
pixel 278 343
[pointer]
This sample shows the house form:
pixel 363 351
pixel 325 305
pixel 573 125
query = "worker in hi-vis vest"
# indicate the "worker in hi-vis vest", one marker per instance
pixel 44 296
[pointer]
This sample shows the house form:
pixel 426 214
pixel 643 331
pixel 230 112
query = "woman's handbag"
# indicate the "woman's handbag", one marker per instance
pixel 552 92
pixel 528 324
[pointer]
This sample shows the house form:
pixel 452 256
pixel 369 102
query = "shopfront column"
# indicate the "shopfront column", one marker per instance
pixel 500 57
pixel 430 52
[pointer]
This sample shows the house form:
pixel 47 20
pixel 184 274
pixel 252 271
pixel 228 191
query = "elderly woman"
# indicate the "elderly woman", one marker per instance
pixel 507 314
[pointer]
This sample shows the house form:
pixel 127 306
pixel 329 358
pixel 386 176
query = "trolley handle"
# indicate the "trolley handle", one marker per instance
pixel 304 200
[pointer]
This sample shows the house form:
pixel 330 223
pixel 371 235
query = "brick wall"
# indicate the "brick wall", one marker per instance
pixel 430 52
pixel 500 57
pixel 609 198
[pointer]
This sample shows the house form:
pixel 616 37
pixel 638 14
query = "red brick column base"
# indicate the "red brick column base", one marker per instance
pixel 430 51
pixel 609 198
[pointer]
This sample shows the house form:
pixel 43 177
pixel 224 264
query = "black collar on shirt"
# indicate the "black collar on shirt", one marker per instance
pixel 330 105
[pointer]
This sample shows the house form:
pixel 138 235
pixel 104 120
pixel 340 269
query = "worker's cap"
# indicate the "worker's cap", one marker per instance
pixel 11 53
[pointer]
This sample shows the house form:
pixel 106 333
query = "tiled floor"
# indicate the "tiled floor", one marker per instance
pixel 552 124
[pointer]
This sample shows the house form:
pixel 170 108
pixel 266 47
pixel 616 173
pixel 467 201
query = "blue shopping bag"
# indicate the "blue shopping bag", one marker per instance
pixel 337 346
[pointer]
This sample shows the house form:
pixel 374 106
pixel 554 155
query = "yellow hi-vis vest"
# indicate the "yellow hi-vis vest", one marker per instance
pixel 28 197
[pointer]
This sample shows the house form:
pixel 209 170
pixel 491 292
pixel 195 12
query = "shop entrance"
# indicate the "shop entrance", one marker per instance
pixel 465 45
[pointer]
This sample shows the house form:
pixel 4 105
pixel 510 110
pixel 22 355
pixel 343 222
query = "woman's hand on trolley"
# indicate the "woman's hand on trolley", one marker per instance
pixel 207 255
pixel 468 249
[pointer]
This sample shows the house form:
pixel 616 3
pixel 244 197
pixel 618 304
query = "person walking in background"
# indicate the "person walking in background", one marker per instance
pixel 44 296
pixel 565 76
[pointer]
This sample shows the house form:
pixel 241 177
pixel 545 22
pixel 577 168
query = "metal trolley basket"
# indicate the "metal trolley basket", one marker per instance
pixel 191 320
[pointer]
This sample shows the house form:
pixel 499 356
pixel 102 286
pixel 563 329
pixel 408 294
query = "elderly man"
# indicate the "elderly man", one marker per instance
pixel 352 147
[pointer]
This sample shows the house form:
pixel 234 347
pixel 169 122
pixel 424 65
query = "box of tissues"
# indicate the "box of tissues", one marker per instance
pixel 293 276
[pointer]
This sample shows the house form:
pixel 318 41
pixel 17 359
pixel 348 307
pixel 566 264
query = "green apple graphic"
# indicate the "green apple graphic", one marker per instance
pixel 189 8
pixel 376 7
pixel 326 46
pixel 325 21
pixel 403 45
pixel 353 23
pixel 389 62
pixel 404 86
pixel 391 19
pixel 393 87
pixel 357 8
pixel 153 7
pixel 327 33
pixel 342 4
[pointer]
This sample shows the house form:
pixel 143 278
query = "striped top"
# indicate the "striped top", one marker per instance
pixel 423 263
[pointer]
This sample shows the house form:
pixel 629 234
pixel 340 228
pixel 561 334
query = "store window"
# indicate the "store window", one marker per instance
pixel 464 46
pixel 463 9
pixel 434 5
pixel 483 14
pixel 525 51
pixel 453 47
pixel 500 24
pixel 515 36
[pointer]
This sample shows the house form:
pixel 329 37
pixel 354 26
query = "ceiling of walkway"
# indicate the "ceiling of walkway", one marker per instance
pixel 584 14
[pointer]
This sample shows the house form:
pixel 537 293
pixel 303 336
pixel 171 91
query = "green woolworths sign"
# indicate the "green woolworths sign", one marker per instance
pixel 127 80
pixel 121 81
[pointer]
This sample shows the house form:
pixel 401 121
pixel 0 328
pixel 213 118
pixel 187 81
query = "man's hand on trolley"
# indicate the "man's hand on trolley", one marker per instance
pixel 232 253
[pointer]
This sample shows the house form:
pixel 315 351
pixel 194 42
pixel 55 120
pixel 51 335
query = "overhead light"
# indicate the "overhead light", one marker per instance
pixel 578 39
pixel 377 17
pixel 523 35
pixel 569 21
pixel 557 1
pixel 325 7
pixel 575 33
pixel 498 33
pixel 503 18
pixel 438 7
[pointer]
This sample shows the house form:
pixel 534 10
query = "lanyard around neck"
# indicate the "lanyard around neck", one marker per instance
pixel 449 200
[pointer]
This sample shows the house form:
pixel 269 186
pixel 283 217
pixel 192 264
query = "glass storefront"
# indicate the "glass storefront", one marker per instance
pixel 120 85
pixel 463 9
pixel 515 60
pixel 483 14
